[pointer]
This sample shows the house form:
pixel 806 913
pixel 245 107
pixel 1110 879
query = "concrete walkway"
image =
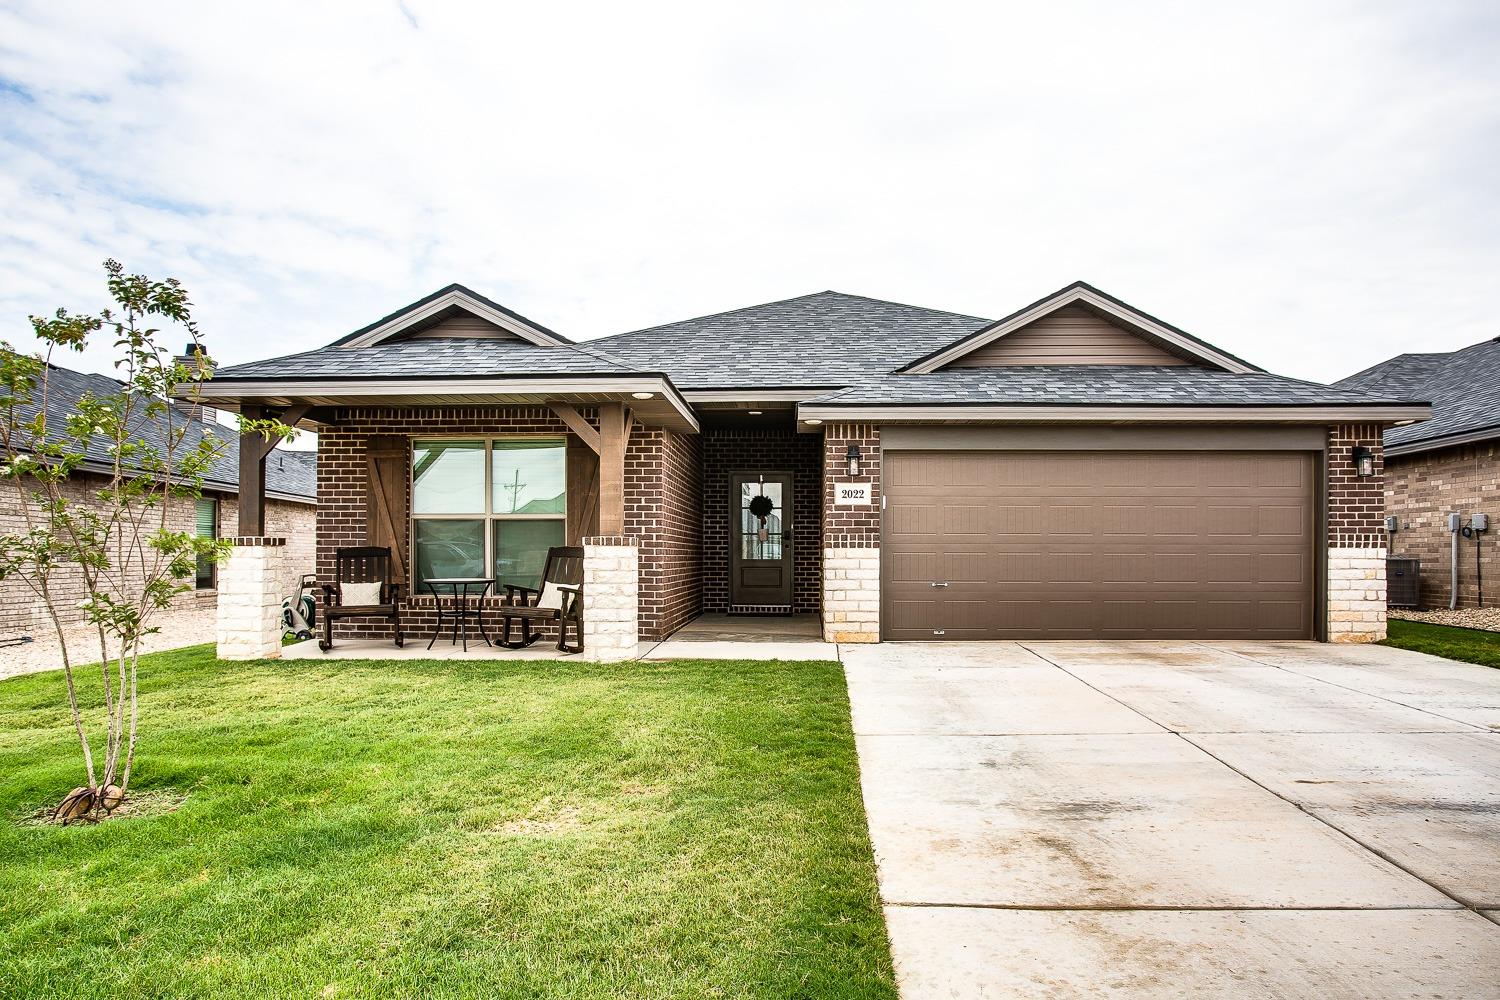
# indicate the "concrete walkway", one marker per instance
pixel 1182 819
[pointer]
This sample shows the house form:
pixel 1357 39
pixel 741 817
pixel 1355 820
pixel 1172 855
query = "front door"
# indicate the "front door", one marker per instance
pixel 760 539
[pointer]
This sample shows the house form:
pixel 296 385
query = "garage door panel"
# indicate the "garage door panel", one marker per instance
pixel 1118 545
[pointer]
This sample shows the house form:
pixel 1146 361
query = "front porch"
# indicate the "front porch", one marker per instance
pixel 707 637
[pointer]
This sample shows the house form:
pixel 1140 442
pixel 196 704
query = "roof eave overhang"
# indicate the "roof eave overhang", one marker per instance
pixel 1149 325
pixel 962 413
pixel 1439 443
pixel 426 309
pixel 666 406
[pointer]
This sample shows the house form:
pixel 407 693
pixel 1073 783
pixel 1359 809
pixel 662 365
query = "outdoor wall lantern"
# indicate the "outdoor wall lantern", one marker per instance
pixel 1364 463
pixel 854 460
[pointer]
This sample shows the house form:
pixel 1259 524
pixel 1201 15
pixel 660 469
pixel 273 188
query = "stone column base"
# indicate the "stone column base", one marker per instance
pixel 1356 595
pixel 851 595
pixel 611 597
pixel 249 601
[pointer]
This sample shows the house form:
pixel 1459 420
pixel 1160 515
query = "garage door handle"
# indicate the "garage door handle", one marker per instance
pixel 943 584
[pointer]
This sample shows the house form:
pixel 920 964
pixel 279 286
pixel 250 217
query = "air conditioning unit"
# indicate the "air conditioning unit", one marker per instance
pixel 1403 583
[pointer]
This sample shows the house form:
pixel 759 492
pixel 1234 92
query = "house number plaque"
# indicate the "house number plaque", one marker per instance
pixel 851 494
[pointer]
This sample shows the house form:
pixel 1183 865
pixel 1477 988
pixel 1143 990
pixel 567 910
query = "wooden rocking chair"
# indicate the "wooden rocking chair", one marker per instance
pixel 364 564
pixel 559 601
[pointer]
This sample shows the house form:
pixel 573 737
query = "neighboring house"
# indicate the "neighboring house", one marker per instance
pixel 1079 469
pixel 1447 465
pixel 291 487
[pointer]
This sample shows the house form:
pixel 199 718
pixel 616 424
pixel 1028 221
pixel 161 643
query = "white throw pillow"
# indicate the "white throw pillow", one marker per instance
pixel 550 597
pixel 358 595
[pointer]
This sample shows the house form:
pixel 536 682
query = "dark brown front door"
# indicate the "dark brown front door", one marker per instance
pixel 1098 545
pixel 760 542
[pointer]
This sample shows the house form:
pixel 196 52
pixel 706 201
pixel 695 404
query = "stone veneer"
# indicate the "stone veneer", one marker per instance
pixel 1356 537
pixel 851 538
pixel 611 597
pixel 248 626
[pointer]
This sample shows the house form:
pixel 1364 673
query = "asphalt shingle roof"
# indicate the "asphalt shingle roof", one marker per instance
pixel 1463 385
pixel 1101 385
pixel 431 358
pixel 822 339
pixel 288 473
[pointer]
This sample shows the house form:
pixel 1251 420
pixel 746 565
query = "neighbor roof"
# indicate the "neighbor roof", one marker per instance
pixel 1464 387
pixel 288 474
pixel 824 339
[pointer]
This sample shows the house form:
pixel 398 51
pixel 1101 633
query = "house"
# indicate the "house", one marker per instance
pixel 291 502
pixel 1078 469
pixel 1445 466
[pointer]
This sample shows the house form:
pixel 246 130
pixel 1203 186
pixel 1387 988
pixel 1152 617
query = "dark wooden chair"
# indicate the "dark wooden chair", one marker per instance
pixel 364 564
pixel 562 573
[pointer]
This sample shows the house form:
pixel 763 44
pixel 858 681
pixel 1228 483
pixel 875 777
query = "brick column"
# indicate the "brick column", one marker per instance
pixel 1356 537
pixel 249 602
pixel 611 597
pixel 851 538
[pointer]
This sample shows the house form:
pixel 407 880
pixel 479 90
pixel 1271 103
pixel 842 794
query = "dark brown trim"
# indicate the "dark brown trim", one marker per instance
pixel 910 438
pixel 1320 554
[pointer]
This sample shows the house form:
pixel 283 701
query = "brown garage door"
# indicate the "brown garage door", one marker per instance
pixel 1076 544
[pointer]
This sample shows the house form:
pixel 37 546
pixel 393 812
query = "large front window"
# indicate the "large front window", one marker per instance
pixel 488 507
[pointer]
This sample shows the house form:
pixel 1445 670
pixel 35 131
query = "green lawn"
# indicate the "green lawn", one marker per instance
pixel 399 829
pixel 1467 644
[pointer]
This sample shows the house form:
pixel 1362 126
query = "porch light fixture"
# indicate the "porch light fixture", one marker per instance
pixel 812 421
pixel 643 395
pixel 756 413
pixel 853 460
pixel 1364 463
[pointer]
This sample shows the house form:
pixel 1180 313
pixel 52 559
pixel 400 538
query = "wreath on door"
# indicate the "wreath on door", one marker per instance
pixel 761 507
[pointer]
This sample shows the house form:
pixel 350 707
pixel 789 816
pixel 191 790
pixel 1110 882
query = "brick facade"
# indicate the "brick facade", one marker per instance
pixel 730 450
pixel 21 613
pixel 1422 490
pixel 851 537
pixel 661 503
pixel 1355 585
pixel 664 511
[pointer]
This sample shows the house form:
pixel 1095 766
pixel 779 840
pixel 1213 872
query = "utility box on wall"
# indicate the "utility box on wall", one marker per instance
pixel 1403 583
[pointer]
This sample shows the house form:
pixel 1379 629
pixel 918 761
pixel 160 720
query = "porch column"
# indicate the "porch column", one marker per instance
pixel 614 432
pixel 252 478
pixel 249 600
pixel 611 597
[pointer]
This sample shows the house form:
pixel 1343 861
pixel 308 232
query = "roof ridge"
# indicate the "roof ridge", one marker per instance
pixel 712 315
pixel 904 305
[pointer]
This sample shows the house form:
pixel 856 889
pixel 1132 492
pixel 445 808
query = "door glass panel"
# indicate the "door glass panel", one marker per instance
pixel 447 477
pixel 449 548
pixel 521 551
pixel 760 536
pixel 529 477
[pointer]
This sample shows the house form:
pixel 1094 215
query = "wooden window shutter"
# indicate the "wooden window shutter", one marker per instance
pixel 583 491
pixel 386 520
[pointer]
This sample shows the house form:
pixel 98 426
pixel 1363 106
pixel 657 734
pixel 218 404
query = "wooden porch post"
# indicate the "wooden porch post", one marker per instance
pixel 614 429
pixel 252 478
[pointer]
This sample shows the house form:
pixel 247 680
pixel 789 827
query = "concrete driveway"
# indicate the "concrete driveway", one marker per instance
pixel 1182 819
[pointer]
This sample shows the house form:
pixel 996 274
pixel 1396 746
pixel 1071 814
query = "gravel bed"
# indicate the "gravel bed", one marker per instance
pixel 1487 619
pixel 178 629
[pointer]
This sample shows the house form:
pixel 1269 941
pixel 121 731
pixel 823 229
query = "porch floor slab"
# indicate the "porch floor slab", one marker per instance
pixel 744 637
pixel 384 649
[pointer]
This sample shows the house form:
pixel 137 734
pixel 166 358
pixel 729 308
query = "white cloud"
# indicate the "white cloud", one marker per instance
pixel 1307 185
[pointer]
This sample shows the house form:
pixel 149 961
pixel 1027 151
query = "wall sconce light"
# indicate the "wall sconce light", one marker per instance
pixel 854 460
pixel 1364 463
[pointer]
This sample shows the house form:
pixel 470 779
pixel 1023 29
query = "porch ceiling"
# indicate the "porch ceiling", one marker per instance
pixel 662 407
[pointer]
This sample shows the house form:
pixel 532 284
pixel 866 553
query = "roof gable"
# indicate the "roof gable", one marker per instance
pixel 457 308
pixel 1078 324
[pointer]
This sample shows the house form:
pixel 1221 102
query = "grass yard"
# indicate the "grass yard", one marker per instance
pixel 1468 644
pixel 442 829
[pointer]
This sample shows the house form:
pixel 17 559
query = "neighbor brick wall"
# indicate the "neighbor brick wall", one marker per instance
pixel 730 450
pixel 22 613
pixel 664 511
pixel 661 496
pixel 1422 490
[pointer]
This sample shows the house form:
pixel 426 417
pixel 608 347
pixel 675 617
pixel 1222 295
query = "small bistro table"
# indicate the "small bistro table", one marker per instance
pixel 465 604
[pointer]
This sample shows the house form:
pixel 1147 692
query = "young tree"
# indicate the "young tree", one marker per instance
pixel 124 542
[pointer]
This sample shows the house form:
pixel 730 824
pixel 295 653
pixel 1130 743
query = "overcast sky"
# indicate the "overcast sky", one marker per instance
pixel 1310 186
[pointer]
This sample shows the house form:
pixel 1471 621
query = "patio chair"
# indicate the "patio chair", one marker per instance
pixel 362 588
pixel 559 601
